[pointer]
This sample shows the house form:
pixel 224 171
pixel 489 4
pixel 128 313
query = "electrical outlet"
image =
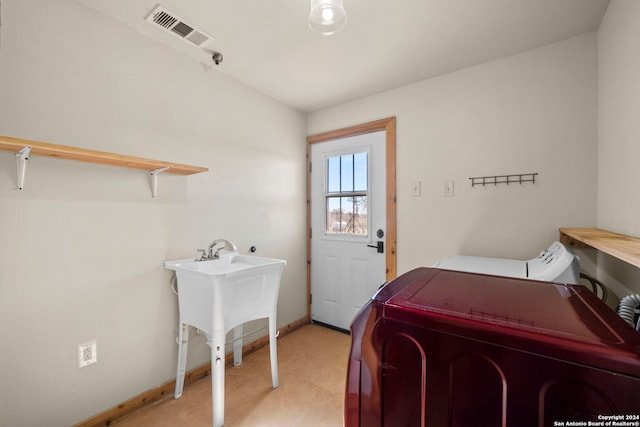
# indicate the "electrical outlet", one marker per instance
pixel 87 354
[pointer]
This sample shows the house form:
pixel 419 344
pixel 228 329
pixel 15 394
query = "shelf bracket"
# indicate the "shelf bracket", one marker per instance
pixel 21 157
pixel 154 179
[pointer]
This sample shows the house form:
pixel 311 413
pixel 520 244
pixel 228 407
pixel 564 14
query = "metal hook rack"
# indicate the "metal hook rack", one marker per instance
pixel 503 179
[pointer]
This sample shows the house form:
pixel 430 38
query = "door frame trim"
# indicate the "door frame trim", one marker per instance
pixel 388 125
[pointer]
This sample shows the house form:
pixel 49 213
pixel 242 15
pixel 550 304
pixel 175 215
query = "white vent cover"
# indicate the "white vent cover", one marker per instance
pixel 171 22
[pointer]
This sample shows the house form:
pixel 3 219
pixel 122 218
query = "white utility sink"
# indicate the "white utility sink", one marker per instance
pixel 226 265
pixel 217 296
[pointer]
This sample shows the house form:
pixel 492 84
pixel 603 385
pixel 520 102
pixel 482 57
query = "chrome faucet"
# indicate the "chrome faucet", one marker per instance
pixel 209 254
pixel 225 245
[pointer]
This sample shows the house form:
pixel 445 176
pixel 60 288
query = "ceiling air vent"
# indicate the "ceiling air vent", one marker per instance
pixel 171 22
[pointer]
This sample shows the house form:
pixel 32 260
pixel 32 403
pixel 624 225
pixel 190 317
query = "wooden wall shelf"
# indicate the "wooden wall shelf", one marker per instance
pixel 626 248
pixel 23 148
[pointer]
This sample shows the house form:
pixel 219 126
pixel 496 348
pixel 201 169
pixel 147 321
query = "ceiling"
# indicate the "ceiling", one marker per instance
pixel 268 45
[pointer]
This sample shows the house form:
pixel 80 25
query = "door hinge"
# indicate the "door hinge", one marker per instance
pixel 310 298
pixel 310 232
pixel 310 167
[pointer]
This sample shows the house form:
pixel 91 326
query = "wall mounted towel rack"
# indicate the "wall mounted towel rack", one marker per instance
pixel 503 179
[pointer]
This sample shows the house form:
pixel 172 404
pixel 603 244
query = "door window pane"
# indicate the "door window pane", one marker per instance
pixel 347 194
pixel 347 215
pixel 348 173
pixel 333 174
pixel 361 171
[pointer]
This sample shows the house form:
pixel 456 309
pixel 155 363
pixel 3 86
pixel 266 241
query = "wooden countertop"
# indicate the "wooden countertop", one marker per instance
pixel 626 248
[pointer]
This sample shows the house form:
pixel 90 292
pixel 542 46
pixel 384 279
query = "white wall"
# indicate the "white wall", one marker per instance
pixel 82 246
pixel 619 135
pixel 533 112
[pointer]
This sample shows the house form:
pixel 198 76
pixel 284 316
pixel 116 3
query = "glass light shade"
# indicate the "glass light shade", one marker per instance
pixel 327 16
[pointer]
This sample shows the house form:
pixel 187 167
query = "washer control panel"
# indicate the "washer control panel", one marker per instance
pixel 555 264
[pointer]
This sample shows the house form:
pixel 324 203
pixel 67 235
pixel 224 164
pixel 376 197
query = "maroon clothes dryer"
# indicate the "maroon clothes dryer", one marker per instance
pixel 442 348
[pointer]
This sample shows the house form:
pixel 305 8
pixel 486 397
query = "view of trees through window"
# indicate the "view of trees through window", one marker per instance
pixel 347 195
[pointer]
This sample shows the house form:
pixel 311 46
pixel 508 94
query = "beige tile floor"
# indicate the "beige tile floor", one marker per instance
pixel 312 364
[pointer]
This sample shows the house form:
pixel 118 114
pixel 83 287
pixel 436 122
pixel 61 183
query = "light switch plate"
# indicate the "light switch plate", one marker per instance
pixel 415 189
pixel 448 189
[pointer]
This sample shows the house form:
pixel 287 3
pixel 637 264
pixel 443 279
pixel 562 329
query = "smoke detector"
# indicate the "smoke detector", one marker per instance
pixel 171 22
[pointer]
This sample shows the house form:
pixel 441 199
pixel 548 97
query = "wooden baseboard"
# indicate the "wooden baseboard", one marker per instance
pixel 165 390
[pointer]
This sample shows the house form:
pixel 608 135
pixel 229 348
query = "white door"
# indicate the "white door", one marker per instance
pixel 348 236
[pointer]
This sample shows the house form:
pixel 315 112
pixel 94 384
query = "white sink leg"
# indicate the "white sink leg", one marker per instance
pixel 237 345
pixel 183 342
pixel 273 351
pixel 217 377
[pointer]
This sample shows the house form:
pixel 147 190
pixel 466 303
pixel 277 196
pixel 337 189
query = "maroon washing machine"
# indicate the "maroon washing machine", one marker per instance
pixel 444 348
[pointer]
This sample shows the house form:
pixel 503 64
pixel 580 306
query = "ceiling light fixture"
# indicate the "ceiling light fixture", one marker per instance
pixel 327 16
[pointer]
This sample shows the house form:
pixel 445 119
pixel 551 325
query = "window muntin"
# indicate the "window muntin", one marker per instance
pixel 347 195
